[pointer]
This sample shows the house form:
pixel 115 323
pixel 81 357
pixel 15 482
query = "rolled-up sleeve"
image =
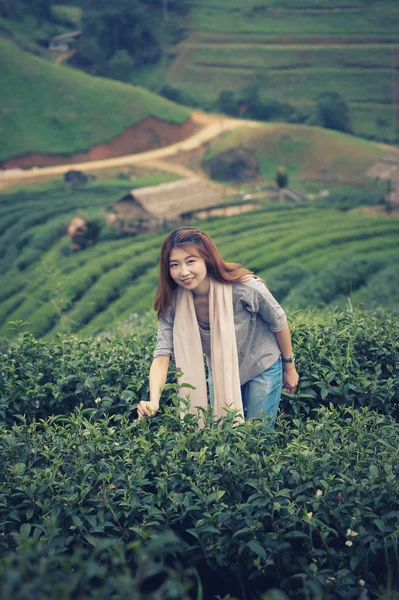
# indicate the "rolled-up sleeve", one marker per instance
pixel 164 346
pixel 269 309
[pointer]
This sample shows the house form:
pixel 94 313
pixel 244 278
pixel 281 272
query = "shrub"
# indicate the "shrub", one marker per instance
pixel 100 569
pixel 308 508
pixel 120 66
pixel 333 112
pixel 247 102
pixel 349 360
pixel 227 103
pixel 41 379
pixel 282 280
pixel 177 95
pixel 381 291
pixel 341 276
pixel 373 196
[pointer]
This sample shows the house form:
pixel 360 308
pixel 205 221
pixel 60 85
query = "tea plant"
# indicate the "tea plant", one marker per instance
pixel 104 569
pixel 348 359
pixel 312 506
pixel 351 359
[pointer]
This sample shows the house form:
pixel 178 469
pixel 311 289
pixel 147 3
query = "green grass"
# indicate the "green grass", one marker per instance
pixel 307 152
pixel 355 85
pixel 296 18
pixel 267 56
pixel 51 108
pixel 55 290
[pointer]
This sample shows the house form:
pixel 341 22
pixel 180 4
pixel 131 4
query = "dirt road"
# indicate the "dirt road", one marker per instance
pixel 211 127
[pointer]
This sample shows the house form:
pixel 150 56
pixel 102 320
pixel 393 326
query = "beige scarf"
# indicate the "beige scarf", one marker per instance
pixel 189 356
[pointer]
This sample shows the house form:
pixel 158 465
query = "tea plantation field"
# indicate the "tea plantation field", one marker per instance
pixel 294 50
pixel 94 504
pixel 311 256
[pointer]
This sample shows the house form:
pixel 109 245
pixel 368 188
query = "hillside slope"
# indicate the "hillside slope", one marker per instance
pixel 308 153
pixel 53 109
pixel 294 50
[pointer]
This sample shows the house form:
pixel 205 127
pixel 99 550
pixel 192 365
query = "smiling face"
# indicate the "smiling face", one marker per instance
pixel 188 270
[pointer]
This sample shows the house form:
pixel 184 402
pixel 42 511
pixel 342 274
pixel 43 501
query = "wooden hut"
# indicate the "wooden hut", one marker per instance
pixel 64 42
pixel 167 204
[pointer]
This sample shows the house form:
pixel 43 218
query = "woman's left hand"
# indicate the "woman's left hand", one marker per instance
pixel 291 378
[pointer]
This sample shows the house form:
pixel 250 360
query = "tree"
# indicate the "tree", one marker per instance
pixel 138 27
pixel 227 103
pixel 333 112
pixel 281 181
pixel 41 9
pixel 120 66
pixel 120 25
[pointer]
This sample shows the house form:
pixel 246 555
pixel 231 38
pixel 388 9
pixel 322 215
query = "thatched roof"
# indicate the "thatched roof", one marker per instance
pixel 66 36
pixel 170 200
pixel 128 206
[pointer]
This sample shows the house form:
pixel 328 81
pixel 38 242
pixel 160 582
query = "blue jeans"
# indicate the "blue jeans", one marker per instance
pixel 260 395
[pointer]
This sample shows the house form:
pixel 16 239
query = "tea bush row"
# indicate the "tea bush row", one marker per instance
pixel 348 201
pixel 109 569
pixel 341 276
pixel 43 211
pixel 53 293
pixel 53 278
pixel 39 379
pixel 310 244
pixel 352 277
pixel 310 507
pixel 15 237
pixel 348 359
pixel 268 227
pixel 109 251
pixel 140 295
pixel 110 287
pixel 381 290
pixel 10 305
pixel 379 248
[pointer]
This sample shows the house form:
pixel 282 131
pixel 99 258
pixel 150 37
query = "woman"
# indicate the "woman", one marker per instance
pixel 207 306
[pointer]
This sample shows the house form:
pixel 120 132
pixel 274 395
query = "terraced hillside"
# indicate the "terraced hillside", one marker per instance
pixel 49 108
pixel 310 258
pixel 295 49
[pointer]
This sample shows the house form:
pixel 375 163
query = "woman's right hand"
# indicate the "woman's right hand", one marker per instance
pixel 147 409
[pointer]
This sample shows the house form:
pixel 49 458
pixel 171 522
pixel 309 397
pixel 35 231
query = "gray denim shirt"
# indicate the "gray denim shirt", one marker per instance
pixel 257 316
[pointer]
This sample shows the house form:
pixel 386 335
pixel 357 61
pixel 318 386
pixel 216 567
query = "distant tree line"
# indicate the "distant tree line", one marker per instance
pixel 14 9
pixel 330 109
pixel 123 34
pixel 117 35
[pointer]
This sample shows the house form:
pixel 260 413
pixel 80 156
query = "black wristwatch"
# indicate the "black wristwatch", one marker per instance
pixel 291 359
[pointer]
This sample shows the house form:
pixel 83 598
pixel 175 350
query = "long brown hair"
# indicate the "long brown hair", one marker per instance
pixel 204 247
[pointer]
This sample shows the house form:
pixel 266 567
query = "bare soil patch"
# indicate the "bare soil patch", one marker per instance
pixel 151 133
